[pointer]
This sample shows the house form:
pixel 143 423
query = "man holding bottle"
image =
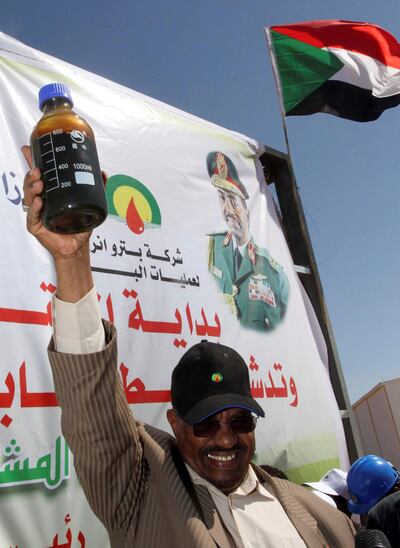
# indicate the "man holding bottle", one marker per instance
pixel 197 489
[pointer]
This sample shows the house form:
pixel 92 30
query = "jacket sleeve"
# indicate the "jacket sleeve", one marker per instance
pixel 103 436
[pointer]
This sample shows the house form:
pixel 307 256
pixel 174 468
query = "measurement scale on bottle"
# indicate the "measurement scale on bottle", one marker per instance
pixel 48 159
pixel 57 169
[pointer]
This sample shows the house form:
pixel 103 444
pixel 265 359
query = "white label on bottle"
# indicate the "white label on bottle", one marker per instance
pixel 84 178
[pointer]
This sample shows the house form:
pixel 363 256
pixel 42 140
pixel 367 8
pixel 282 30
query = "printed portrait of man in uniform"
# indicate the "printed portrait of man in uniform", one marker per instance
pixel 253 284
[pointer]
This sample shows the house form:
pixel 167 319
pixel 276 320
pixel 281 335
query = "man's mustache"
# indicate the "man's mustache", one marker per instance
pixel 218 449
pixel 236 219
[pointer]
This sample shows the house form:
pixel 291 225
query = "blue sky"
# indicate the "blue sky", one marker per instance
pixel 210 58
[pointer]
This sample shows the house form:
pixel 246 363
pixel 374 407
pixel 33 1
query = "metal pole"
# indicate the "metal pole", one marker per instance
pixel 278 169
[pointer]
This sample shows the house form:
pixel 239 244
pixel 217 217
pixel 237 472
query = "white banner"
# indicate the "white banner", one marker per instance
pixel 181 193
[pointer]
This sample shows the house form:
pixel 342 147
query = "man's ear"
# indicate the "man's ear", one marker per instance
pixel 173 420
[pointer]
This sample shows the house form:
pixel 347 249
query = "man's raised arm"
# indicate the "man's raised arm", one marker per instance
pixel 96 420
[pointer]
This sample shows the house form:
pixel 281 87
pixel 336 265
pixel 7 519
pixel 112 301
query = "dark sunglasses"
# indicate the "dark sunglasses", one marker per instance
pixel 240 424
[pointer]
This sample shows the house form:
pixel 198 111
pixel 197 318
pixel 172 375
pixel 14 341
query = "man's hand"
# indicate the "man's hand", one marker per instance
pixel 70 251
pixel 61 246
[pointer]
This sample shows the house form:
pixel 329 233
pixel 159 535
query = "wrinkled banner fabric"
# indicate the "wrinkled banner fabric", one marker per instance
pixel 160 274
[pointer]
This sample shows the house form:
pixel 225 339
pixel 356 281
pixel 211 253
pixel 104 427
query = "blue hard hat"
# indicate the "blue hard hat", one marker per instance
pixel 369 479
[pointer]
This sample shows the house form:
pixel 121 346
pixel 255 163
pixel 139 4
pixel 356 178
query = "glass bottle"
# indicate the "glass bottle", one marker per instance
pixel 64 149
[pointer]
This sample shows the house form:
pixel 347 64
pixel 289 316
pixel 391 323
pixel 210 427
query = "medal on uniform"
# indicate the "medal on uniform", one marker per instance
pixel 260 290
pixel 216 271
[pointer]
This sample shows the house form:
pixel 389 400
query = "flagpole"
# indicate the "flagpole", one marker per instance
pixel 286 136
pixel 271 51
pixel 337 382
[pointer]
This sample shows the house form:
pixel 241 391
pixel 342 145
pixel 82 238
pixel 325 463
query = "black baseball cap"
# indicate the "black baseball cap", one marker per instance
pixel 209 378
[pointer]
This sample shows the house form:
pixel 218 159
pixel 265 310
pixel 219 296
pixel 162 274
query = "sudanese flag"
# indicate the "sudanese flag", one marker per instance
pixel 346 68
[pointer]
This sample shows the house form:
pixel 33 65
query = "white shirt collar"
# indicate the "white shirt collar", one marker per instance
pixel 242 248
pixel 250 484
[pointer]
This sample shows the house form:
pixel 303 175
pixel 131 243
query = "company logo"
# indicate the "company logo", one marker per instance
pixel 131 202
pixel 217 377
pixel 77 136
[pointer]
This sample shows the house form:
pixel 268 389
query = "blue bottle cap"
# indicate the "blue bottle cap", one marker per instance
pixel 54 90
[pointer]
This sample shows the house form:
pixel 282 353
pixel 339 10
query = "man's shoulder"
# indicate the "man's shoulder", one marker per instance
pixel 391 503
pixel 286 489
pixel 218 240
pixel 275 481
pixel 302 506
pixel 217 236
pixel 265 256
pixel 162 438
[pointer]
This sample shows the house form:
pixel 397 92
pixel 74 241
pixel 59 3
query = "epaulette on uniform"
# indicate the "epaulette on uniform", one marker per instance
pixel 216 233
pixel 210 251
pixel 212 238
pixel 265 254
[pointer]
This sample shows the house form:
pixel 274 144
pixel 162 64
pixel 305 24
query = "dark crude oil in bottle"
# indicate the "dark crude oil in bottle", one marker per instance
pixel 64 149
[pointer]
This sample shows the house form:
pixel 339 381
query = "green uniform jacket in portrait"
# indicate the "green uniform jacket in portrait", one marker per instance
pixel 258 294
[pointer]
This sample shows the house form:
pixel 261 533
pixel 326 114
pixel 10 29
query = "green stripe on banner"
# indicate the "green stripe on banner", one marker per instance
pixel 315 455
pixel 313 471
pixel 302 68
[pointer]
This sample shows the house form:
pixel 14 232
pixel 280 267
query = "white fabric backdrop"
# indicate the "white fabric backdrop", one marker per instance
pixel 165 150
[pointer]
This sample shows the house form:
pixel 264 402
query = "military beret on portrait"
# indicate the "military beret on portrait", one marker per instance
pixel 224 174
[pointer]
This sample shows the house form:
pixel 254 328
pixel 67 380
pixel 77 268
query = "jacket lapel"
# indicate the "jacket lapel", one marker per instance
pixel 245 270
pixel 211 518
pixel 304 522
pixel 227 255
pixel 203 503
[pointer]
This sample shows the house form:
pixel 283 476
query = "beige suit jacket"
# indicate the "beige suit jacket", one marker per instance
pixel 134 478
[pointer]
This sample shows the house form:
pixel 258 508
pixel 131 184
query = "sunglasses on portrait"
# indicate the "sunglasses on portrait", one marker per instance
pixel 240 424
